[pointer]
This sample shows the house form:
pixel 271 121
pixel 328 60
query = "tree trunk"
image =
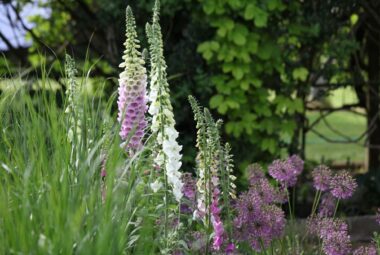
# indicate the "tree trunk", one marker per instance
pixel 373 120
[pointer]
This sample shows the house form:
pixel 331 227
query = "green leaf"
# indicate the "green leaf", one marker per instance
pixel 298 105
pixel 239 35
pixel 222 108
pixel 228 23
pixel 249 12
pixel 238 73
pixel 261 18
pixel 269 144
pixel 209 7
pixel 273 4
pixel 222 31
pixel 265 50
pixel 214 45
pixel 257 82
pixel 354 19
pixel 244 85
pixel 239 39
pixel 300 73
pixel 232 104
pixel 216 100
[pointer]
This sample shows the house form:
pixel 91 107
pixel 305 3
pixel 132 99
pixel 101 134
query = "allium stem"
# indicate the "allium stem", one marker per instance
pixel 336 208
pixel 317 197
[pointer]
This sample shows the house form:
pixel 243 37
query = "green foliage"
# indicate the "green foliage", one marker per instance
pixel 262 67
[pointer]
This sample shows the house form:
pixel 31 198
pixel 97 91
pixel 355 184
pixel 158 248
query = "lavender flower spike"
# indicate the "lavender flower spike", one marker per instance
pixel 132 89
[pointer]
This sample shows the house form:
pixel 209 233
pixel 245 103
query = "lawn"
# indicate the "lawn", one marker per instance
pixel 349 124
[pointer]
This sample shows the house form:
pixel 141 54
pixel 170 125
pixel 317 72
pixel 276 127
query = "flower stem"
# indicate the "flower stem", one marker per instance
pixel 336 207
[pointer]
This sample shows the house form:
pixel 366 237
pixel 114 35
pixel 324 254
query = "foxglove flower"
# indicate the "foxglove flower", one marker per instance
pixel 230 249
pixel 132 90
pixel 342 185
pixel 189 192
pixel 156 186
pixel 216 221
pixel 168 151
pixel 321 178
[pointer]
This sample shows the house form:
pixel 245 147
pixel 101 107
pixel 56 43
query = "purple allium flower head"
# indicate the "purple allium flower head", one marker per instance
pixel 132 89
pixel 336 244
pixel 322 177
pixel 284 172
pixel 334 235
pixel 326 226
pixel 256 220
pixel 312 226
pixel 327 206
pixel 297 163
pixel 267 192
pixel 255 173
pixel 366 250
pixel 342 185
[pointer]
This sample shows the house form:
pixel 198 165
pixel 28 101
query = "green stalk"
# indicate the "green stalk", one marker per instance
pixel 336 207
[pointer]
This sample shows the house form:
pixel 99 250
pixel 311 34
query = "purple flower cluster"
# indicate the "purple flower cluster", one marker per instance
pixel 259 220
pixel 327 206
pixel 342 185
pixel 132 107
pixel 255 173
pixel 366 250
pixel 334 235
pixel 189 193
pixel 197 242
pixel 322 177
pixel 378 216
pixel 297 163
pixel 286 171
pixel 216 221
